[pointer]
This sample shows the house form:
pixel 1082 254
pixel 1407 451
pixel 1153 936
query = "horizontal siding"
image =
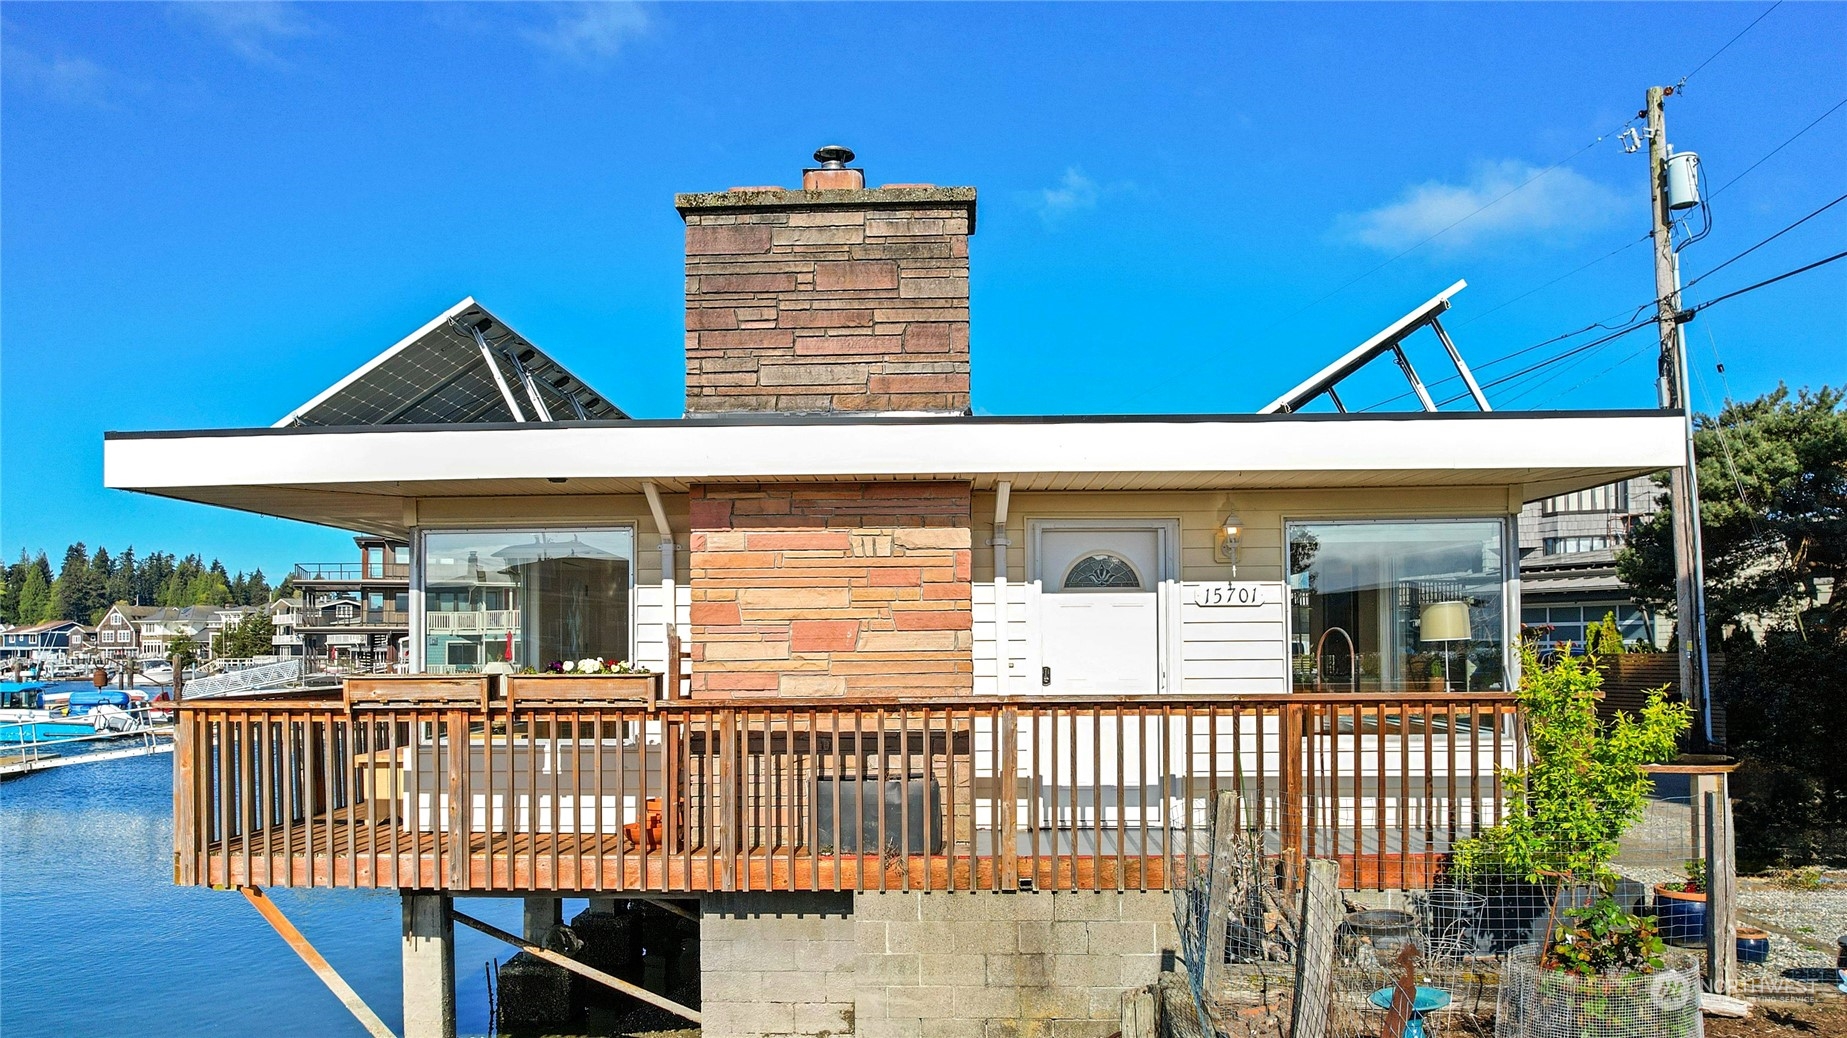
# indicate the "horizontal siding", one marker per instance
pixel 1233 650
pixel 1020 634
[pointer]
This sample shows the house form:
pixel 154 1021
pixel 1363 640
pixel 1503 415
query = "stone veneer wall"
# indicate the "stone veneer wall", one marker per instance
pixel 827 301
pixel 936 965
pixel 813 589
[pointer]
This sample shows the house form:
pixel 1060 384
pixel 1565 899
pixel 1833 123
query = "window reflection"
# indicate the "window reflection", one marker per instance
pixel 529 597
pixel 1411 605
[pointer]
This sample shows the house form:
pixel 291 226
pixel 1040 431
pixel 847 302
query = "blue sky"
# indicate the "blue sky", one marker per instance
pixel 212 211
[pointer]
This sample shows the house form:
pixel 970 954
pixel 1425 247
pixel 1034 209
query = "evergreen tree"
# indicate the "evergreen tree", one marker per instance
pixel 286 589
pixel 121 587
pixel 78 593
pixel 11 586
pixel 35 592
pixel 257 591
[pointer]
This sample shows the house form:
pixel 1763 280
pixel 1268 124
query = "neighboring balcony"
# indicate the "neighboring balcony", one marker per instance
pixel 475 621
pixel 351 573
pixel 384 619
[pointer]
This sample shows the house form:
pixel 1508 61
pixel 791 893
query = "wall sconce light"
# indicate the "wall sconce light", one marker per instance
pixel 1225 542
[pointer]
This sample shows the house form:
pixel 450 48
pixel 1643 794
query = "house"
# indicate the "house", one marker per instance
pixel 54 641
pixel 161 626
pixel 284 616
pixel 355 616
pixel 117 637
pixel 927 682
pixel 1568 582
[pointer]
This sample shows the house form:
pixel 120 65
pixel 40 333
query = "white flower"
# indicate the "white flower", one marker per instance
pixel 569 666
pixel 590 666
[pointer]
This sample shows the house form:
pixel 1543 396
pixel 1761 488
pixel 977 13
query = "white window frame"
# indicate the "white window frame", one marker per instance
pixel 1510 583
pixel 418 636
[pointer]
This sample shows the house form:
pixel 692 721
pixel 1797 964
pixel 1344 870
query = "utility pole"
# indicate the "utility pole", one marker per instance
pixel 1683 482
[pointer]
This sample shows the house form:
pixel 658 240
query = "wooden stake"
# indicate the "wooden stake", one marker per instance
pixel 1404 992
pixel 1721 924
pixel 1314 959
pixel 335 983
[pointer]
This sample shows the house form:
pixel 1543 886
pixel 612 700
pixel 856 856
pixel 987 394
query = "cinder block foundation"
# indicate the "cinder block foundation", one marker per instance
pixel 935 965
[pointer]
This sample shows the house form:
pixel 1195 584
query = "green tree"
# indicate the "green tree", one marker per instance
pixel 78 593
pixel 183 651
pixel 249 637
pixel 1605 638
pixel 1773 515
pixel 35 604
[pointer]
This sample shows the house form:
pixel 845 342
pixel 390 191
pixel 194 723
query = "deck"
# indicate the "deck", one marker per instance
pixel 456 784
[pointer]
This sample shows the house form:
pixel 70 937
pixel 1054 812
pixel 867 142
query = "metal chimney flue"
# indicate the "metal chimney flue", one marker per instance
pixel 833 174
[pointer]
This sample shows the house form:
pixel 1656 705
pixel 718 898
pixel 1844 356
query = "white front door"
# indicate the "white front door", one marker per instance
pixel 1099 615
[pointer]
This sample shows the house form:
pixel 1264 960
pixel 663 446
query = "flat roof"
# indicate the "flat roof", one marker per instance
pixel 362 478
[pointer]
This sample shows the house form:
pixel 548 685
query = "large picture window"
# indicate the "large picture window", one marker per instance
pixel 528 597
pixel 1404 605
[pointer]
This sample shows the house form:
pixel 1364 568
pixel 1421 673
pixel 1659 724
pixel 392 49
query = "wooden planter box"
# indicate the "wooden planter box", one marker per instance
pixel 427 691
pixel 580 689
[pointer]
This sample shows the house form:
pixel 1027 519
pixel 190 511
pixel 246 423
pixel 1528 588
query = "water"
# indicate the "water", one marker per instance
pixel 95 940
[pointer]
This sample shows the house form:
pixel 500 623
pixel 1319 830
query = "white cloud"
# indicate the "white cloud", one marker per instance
pixel 1500 201
pixel 251 29
pixel 1074 193
pixel 589 32
pixel 60 77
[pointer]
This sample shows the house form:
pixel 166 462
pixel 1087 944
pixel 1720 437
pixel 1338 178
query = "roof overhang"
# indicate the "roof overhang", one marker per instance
pixel 362 479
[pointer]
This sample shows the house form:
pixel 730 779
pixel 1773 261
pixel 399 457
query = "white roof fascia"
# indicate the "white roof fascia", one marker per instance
pixel 361 459
pixel 1360 355
pixel 438 321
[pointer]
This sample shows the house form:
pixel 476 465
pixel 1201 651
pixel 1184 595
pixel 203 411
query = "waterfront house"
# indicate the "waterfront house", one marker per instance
pixel 354 617
pixel 926 683
pixel 284 615
pixel 161 626
pixel 116 635
pixel 53 641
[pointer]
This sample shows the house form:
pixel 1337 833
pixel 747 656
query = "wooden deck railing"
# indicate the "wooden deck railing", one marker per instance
pixel 456 787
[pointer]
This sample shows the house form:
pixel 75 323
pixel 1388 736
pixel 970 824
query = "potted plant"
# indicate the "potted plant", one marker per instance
pixel 1604 971
pixel 590 679
pixel 1583 785
pixel 1682 904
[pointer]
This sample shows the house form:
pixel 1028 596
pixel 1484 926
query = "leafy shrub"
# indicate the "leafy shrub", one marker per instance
pixel 1603 938
pixel 1585 783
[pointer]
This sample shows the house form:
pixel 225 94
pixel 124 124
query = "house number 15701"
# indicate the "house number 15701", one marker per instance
pixel 1228 594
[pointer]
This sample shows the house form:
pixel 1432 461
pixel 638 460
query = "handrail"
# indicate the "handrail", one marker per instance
pixel 984 792
pixel 782 703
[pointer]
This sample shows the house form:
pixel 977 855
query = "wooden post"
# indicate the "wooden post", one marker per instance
pixel 1292 783
pixel 1006 781
pixel 1314 959
pixel 429 965
pixel 1227 829
pixel 1138 1014
pixel 1721 880
pixel 456 832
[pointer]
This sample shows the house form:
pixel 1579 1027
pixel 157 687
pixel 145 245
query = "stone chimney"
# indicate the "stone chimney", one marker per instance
pixel 832 299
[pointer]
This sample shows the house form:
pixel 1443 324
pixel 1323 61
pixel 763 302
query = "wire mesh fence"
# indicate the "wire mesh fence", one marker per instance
pixel 1479 933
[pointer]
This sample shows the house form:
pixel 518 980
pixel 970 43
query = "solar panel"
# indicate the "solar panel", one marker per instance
pixel 464 367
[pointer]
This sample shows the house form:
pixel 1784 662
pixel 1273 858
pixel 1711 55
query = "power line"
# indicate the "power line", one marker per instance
pixel 1766 241
pixel 1556 280
pixel 1767 156
pixel 1605 322
pixel 1728 43
pixel 1768 282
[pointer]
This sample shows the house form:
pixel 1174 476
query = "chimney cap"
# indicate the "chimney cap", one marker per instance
pixel 833 156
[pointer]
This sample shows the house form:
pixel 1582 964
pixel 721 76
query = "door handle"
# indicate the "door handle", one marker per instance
pixel 1045 676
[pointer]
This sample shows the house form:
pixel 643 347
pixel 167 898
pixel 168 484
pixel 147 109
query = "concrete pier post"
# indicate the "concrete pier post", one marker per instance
pixel 541 916
pixel 429 966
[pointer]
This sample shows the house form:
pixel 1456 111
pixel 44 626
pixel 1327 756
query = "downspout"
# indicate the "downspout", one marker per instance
pixel 668 593
pixel 1003 651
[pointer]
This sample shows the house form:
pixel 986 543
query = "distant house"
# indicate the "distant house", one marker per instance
pixel 164 625
pixel 1568 546
pixel 356 615
pixel 54 641
pixel 116 635
pixel 285 616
